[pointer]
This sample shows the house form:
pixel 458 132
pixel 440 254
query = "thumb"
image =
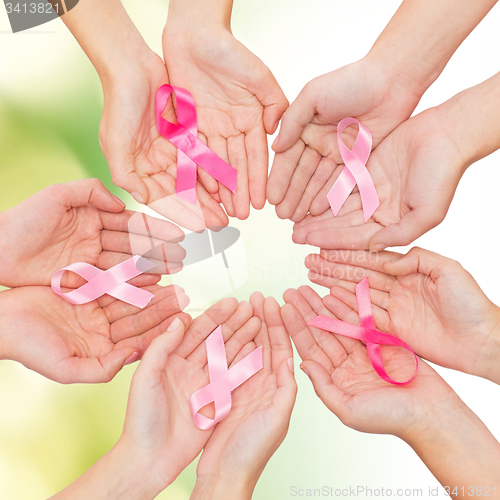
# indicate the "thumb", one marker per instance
pixel 156 355
pixel 417 260
pixel 122 168
pixel 97 370
pixel 273 99
pixel 293 122
pixel 324 387
pixel 92 192
pixel 413 225
pixel 286 392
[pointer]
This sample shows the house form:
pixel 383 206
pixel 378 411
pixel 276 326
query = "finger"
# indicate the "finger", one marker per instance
pixel 418 260
pixel 97 370
pixel 302 337
pixel 346 272
pixel 315 185
pixel 320 202
pixel 273 99
pixel 306 167
pixel 284 164
pixel 286 390
pixel 207 181
pixel 244 351
pixel 293 122
pixel 412 225
pixel 159 309
pixel 205 324
pixel 107 260
pixel 241 337
pixel 258 165
pixel 342 238
pixel 281 347
pixel 325 389
pixel 361 258
pixel 91 192
pixel 156 356
pixel 262 340
pixel 240 201
pixel 231 325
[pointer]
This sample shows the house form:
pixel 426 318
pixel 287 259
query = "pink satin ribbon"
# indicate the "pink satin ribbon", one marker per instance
pixel 190 150
pixel 355 171
pixel 111 282
pixel 222 380
pixel 367 332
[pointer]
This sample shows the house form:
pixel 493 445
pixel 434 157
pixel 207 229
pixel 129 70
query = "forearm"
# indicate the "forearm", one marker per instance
pixel 457 448
pixel 423 35
pixel 209 13
pixel 107 35
pixel 472 119
pixel 114 476
pixel 216 487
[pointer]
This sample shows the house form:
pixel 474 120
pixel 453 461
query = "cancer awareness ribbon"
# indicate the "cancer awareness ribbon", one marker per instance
pixel 367 332
pixel 190 150
pixel 222 380
pixel 355 171
pixel 111 282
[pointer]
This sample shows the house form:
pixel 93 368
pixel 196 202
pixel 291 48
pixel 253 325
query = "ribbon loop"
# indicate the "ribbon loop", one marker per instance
pixel 112 282
pixel 355 171
pixel 222 380
pixel 191 151
pixel 367 332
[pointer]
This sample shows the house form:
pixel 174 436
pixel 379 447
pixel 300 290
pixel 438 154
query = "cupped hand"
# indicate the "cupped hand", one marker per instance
pixel 307 157
pixel 345 380
pixel 242 444
pixel 159 430
pixel 416 171
pixel 429 301
pixel 81 221
pixel 238 102
pixel 87 343
pixel 141 161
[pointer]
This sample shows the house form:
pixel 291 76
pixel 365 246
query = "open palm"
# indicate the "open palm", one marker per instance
pixel 84 343
pixel 425 299
pixel 307 154
pixel 141 161
pixel 416 170
pixel 238 101
pixel 345 380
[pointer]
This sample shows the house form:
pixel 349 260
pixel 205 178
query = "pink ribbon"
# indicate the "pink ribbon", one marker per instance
pixel 111 282
pixel 222 380
pixel 367 332
pixel 355 171
pixel 191 151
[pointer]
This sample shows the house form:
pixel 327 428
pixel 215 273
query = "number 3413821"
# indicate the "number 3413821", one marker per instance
pixel 471 491
pixel 32 8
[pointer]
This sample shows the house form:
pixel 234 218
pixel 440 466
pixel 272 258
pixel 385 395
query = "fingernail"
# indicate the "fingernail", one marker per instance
pixel 276 140
pixel 305 371
pixel 377 248
pixel 174 325
pixel 290 365
pixel 137 197
pixel 131 359
pixel 118 200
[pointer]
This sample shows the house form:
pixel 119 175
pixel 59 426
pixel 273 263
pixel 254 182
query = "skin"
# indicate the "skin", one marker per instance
pixel 160 439
pixel 88 343
pixel 427 300
pixel 141 161
pixel 238 99
pixel 450 439
pixel 80 221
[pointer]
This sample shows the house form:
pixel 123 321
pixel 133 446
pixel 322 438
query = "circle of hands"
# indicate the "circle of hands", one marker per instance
pixel 428 301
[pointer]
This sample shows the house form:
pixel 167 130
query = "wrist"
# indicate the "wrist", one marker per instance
pixel 488 361
pixel 221 487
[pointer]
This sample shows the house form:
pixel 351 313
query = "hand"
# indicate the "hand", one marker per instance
pixel 87 343
pixel 242 444
pixel 307 156
pixel 159 430
pixel 141 161
pixel 345 380
pixel 80 221
pixel 416 171
pixel 425 299
pixel 238 101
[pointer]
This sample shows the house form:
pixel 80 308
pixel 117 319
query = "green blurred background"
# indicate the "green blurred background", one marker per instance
pixel 50 105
